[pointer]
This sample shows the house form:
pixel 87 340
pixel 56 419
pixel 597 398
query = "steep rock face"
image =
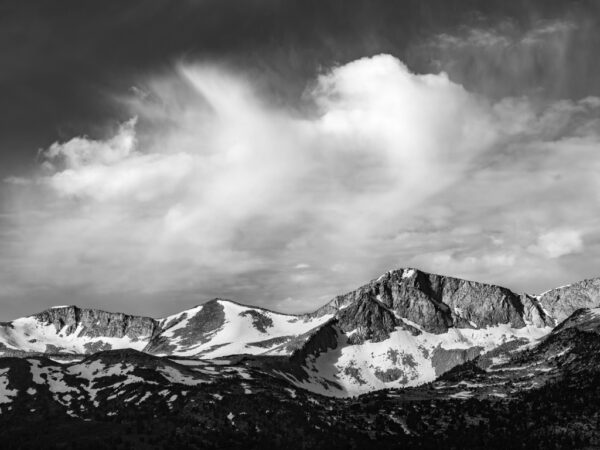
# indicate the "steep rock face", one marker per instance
pixel 365 319
pixel 533 312
pixel 97 323
pixel 561 302
pixel 437 303
pixel 316 342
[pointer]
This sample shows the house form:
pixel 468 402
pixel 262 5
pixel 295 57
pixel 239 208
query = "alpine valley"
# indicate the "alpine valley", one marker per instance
pixel 411 359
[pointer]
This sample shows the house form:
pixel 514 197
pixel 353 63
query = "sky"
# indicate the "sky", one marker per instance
pixel 157 154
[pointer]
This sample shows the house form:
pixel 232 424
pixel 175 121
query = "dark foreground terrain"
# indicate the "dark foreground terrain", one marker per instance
pixel 557 416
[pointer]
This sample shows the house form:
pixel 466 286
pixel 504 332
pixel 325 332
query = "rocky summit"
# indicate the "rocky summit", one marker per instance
pixel 379 362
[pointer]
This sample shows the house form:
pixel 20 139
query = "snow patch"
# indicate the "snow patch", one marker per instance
pixel 462 395
pixel 292 392
pixel 407 273
pixel 175 376
pixel 6 394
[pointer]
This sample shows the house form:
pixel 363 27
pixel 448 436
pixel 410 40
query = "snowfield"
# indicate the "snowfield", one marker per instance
pixel 238 333
pixel 402 360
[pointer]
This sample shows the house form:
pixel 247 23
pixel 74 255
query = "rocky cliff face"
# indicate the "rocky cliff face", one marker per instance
pixel 367 318
pixel 437 303
pixel 534 313
pixel 561 302
pixel 315 342
pixel 96 323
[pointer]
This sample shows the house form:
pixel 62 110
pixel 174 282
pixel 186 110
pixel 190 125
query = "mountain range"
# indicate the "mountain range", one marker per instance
pixel 408 342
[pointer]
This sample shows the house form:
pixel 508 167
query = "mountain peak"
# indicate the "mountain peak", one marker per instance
pixel 402 273
pixel 437 302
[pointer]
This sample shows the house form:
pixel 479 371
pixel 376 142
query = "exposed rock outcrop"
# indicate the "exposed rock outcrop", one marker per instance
pixel 561 302
pixel 437 303
pixel 367 319
pixel 97 323
pixel 260 321
pixel 324 338
pixel 533 312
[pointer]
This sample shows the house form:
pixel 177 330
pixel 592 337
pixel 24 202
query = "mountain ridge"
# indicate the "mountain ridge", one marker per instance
pixel 302 314
pixel 594 280
pixel 401 329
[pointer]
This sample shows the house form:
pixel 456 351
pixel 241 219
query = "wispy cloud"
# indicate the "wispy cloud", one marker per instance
pixel 549 59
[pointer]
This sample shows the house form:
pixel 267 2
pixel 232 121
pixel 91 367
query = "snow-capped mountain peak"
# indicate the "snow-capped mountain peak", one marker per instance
pixel 403 328
pixel 223 327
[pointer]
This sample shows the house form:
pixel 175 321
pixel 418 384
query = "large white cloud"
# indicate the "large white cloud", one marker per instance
pixel 217 191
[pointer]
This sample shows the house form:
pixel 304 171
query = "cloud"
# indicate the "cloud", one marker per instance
pixel 215 189
pixel 557 243
pixel 80 152
pixel 545 58
pixel 379 131
pixel 17 181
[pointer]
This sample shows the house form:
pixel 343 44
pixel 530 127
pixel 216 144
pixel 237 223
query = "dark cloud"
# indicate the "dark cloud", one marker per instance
pixel 61 61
